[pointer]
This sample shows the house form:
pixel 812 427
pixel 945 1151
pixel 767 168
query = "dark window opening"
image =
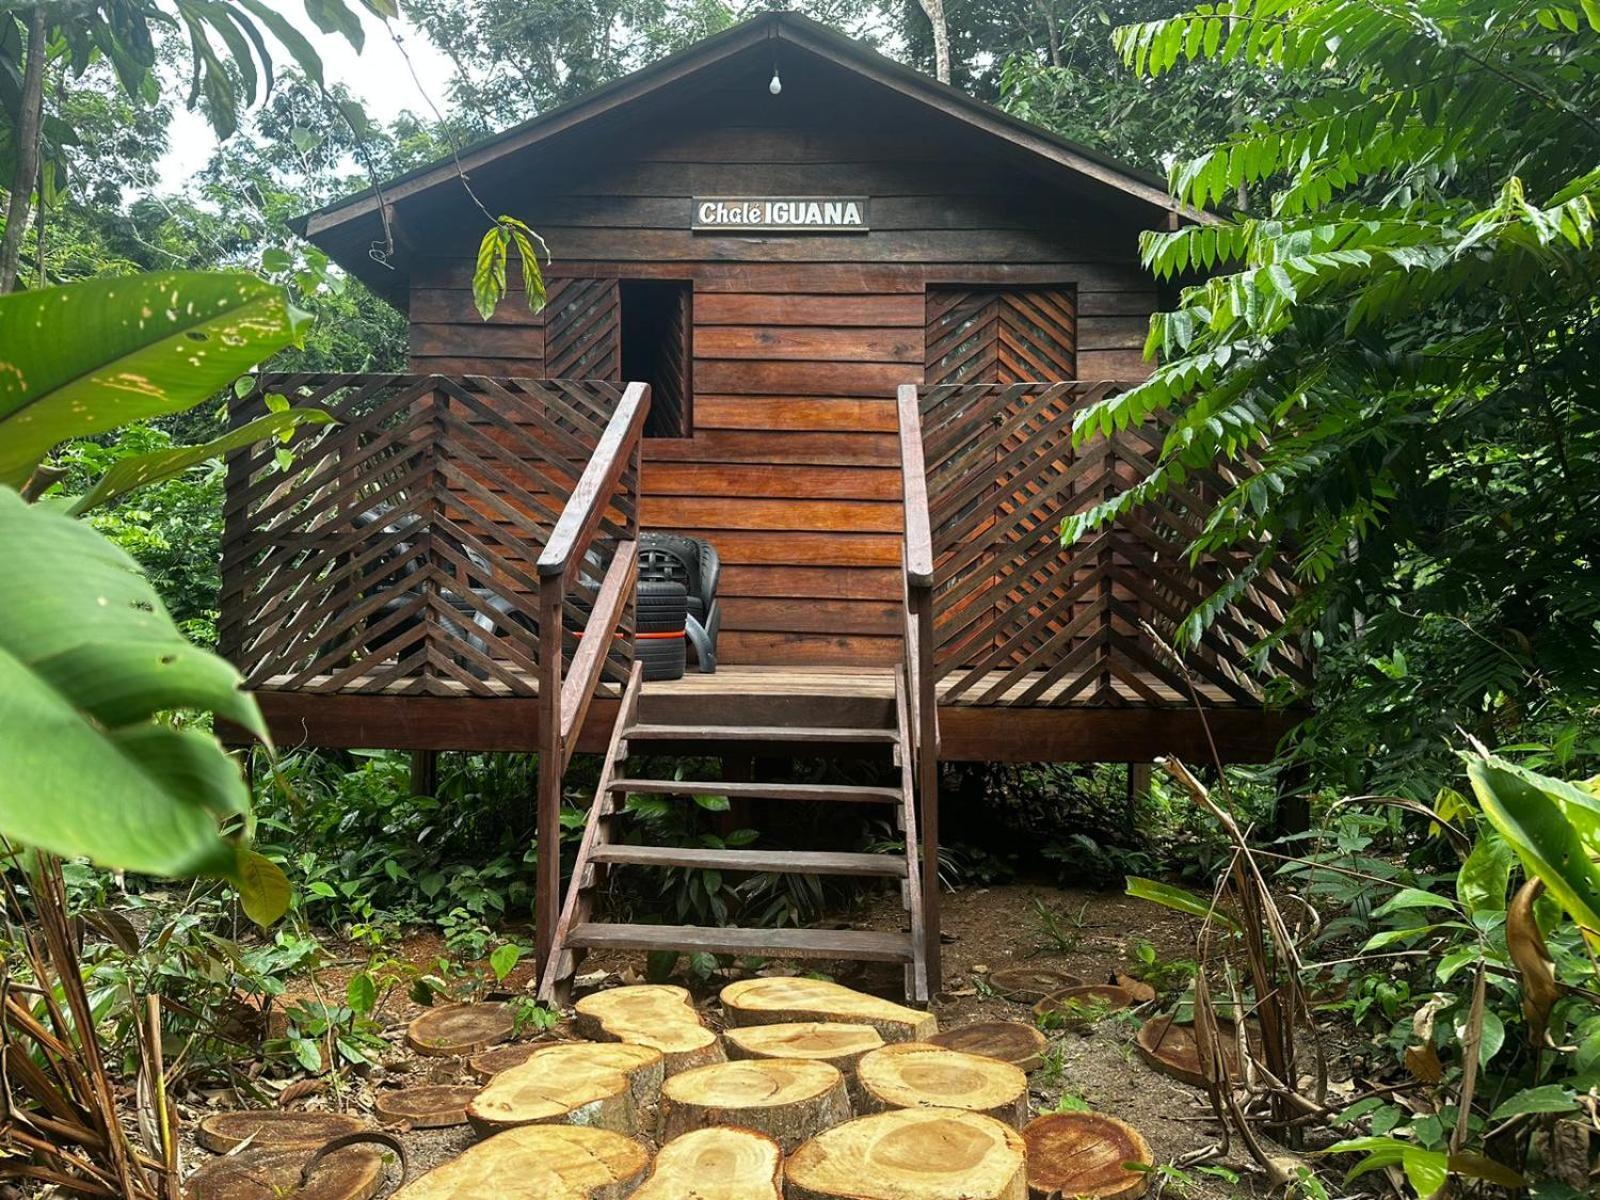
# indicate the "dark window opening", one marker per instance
pixel 657 348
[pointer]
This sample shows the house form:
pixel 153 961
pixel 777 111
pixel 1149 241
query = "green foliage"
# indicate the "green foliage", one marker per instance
pixel 1552 826
pixel 489 274
pixel 1393 355
pixel 137 348
pixel 89 659
pixel 1433 962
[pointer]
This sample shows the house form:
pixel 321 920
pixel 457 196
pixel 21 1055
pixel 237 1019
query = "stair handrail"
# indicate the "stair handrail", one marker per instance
pixel 923 704
pixel 564 698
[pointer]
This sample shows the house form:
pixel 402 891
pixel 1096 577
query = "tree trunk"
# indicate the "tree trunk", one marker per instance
pixel 941 38
pixel 29 120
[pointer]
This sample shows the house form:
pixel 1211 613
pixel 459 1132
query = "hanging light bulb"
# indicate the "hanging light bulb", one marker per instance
pixel 776 85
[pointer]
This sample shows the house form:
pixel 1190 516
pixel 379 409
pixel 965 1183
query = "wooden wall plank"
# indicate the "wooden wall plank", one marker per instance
pixel 794 412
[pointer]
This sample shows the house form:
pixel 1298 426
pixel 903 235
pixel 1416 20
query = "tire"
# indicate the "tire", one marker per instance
pixel 660 607
pixel 662 658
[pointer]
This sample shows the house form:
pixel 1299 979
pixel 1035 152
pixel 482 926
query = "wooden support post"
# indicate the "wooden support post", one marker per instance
pixel 424 772
pixel 1293 813
pixel 547 889
pixel 1138 791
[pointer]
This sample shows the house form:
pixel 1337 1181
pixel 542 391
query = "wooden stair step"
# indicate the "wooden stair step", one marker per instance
pixel 858 944
pixel 757 791
pixel 789 862
pixel 759 733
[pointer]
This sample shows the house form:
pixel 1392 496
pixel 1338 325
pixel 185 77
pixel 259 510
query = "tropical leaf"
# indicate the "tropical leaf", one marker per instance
pixel 1553 827
pixel 90 662
pixel 1176 898
pixel 88 357
pixel 140 470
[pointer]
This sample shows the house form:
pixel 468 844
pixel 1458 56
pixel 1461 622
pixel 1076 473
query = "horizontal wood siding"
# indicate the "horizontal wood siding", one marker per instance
pixel 799 341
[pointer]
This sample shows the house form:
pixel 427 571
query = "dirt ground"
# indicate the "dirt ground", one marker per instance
pixel 1092 935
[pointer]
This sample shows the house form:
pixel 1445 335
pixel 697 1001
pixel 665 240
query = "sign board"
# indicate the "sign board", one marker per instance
pixel 780 214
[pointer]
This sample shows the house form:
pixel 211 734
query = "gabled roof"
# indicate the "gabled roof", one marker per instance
pixel 772 29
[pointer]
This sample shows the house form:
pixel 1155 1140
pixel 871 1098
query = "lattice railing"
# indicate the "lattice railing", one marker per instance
pixel 1022 620
pixel 396 551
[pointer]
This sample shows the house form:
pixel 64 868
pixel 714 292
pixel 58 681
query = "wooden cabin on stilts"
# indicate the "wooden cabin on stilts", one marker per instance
pixel 833 319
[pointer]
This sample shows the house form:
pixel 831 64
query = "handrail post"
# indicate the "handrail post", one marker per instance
pixel 552 599
pixel 917 563
pixel 563 552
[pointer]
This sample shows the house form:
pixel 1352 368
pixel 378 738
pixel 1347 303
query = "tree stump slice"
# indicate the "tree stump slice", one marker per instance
pixel 789 1100
pixel 606 1085
pixel 1080 1007
pixel 660 1016
pixel 720 1163
pixel 1029 985
pixel 538 1162
pixel 919 1075
pixel 459 1029
pixel 1082 1154
pixel 224 1131
pixel 273 1173
pixel 430 1106
pixel 840 1046
pixel 1171 1049
pixel 785 1000
pixel 1022 1046
pixel 910 1154
pixel 484 1067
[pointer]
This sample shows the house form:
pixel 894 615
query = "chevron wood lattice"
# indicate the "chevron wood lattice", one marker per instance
pixel 583 330
pixel 394 551
pixel 978 335
pixel 1022 620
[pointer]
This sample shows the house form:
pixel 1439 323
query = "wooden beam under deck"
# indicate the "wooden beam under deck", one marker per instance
pixel 968 733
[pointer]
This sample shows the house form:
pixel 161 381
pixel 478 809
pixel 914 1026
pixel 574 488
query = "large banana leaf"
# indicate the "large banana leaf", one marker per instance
pixel 89 660
pixel 1553 826
pixel 88 357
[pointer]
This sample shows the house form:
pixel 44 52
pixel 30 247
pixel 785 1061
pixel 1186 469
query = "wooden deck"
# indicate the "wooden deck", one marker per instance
pixel 758 694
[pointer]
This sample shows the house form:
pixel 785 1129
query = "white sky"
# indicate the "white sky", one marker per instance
pixel 378 76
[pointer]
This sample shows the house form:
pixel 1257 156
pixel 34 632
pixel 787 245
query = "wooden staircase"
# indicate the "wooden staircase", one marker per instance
pixel 644 727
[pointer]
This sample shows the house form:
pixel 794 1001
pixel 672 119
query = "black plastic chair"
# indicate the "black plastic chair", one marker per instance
pixel 694 564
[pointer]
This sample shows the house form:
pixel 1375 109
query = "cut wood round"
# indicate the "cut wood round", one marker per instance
pixel 787 1099
pixel 538 1162
pixel 720 1163
pixel 273 1173
pixel 1026 985
pixel 1079 1007
pixel 459 1029
pixel 840 1046
pixel 223 1131
pixel 785 999
pixel 910 1154
pixel 1082 1154
pixel 917 1075
pixel 606 1085
pixel 431 1106
pixel 1022 1046
pixel 1171 1048
pixel 490 1063
pixel 657 1015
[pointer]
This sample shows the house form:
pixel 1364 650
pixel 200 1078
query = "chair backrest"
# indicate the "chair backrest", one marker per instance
pixel 671 558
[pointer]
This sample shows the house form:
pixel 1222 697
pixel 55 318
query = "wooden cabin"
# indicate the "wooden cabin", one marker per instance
pixel 826 313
